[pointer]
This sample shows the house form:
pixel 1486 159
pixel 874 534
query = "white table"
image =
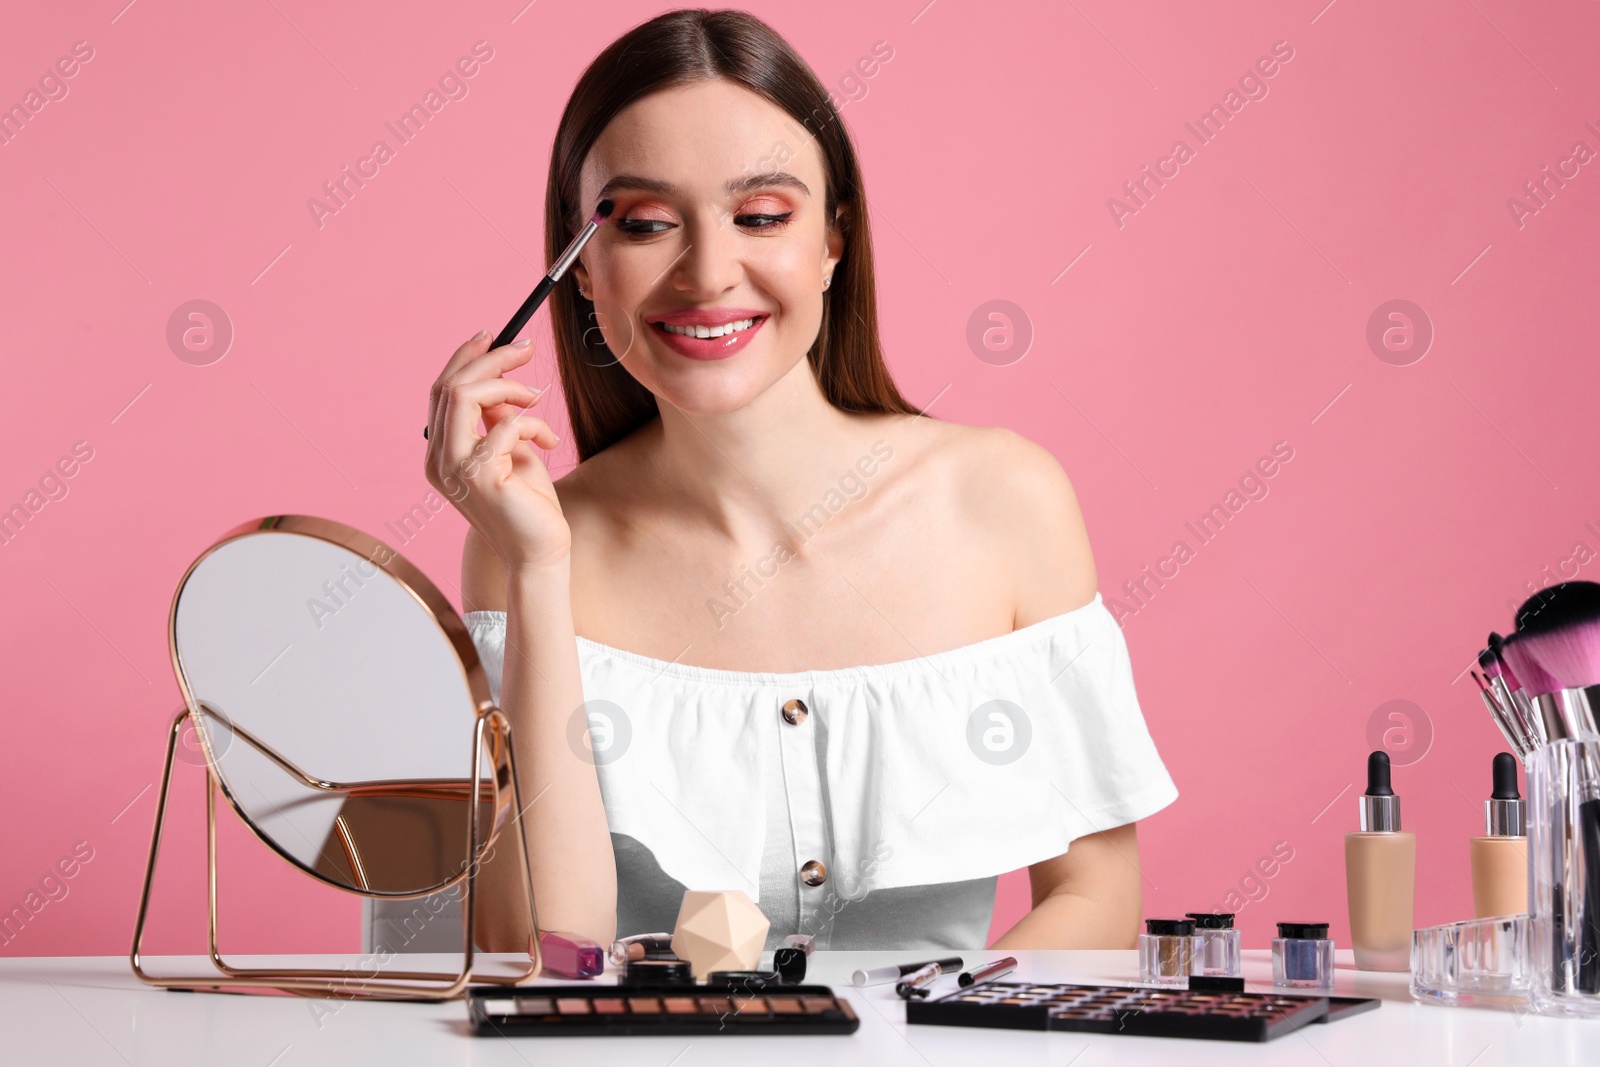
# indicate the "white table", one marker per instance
pixel 92 1010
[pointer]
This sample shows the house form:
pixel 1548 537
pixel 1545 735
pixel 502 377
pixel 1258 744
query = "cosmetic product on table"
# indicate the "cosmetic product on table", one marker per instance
pixel 570 955
pixel 919 981
pixel 789 959
pixel 676 1010
pixel 1216 944
pixel 1477 962
pixel 656 972
pixel 745 979
pixel 1217 983
pixel 1556 654
pixel 1131 1010
pixel 719 930
pixel 988 972
pixel 1380 876
pixel 1166 951
pixel 1302 956
pixel 895 971
pixel 1500 857
pixel 641 947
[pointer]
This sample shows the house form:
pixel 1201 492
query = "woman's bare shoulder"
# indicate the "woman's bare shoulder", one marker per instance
pixel 1017 493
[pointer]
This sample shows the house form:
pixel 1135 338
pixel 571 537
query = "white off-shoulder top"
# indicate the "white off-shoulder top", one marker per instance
pixel 870 806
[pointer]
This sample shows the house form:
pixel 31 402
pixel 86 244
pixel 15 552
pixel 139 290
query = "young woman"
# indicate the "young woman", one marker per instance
pixel 778 631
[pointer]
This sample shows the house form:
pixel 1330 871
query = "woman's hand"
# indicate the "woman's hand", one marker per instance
pixel 497 481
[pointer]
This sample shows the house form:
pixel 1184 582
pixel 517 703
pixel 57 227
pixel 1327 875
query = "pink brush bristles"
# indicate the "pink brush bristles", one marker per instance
pixel 1517 658
pixel 1568 655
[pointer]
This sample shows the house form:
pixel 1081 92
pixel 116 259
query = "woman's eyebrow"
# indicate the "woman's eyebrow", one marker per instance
pixel 746 184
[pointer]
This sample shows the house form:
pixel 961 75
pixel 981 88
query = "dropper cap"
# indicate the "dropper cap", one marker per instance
pixel 1503 810
pixel 1380 808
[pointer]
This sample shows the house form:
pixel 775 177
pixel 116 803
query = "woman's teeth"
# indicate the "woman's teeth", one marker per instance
pixel 710 331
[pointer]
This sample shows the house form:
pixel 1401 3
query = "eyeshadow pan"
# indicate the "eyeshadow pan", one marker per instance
pixel 645 1005
pixel 785 1005
pixel 535 1005
pixel 609 1005
pixel 680 1005
pixel 572 1005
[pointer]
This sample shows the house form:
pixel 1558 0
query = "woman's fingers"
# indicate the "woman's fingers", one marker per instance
pixel 474 346
pixel 464 405
pixel 522 428
pixel 503 441
pixel 472 361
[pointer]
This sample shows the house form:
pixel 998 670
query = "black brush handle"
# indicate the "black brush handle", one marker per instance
pixel 524 313
pixel 1588 962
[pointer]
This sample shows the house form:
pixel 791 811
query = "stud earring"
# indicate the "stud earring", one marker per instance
pixel 581 292
pixel 826 281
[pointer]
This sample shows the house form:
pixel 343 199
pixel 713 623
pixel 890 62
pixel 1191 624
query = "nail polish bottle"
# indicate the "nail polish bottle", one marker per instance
pixel 1380 865
pixel 1216 943
pixel 1500 857
pixel 1166 952
pixel 1302 957
pixel 570 955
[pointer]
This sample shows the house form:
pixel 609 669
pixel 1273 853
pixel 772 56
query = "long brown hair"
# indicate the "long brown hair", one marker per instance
pixel 604 402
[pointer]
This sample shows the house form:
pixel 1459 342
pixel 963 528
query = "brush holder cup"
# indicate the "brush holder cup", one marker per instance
pixel 1563 817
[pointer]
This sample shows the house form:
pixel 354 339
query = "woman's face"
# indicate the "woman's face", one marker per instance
pixel 718 220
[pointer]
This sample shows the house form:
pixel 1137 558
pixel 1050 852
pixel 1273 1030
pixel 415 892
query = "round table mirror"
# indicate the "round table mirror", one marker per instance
pixel 337 693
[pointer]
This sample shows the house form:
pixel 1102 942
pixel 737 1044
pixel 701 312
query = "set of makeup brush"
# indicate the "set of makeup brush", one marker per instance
pixel 1536 683
pixel 1542 686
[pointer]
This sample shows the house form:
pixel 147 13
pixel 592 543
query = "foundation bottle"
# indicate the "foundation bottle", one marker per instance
pixel 1380 864
pixel 1500 857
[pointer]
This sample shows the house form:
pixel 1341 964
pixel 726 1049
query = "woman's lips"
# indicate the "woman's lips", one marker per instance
pixel 707 347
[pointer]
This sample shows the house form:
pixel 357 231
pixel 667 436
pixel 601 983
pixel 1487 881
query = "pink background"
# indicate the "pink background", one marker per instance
pixel 1168 354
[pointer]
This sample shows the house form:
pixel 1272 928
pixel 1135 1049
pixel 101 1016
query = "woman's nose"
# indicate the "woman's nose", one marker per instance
pixel 710 265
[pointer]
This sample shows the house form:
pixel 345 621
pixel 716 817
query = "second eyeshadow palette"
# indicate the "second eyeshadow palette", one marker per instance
pixel 1131 1010
pixel 572 1010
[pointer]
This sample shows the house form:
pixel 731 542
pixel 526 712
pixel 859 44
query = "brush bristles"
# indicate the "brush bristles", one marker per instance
pixel 1568 655
pixel 1521 657
pixel 1559 606
pixel 1488 662
pixel 602 213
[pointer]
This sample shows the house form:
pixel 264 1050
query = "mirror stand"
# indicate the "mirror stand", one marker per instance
pixel 393 985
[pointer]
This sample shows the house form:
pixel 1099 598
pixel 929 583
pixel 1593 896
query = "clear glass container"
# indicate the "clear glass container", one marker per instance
pixel 1216 944
pixel 1479 962
pixel 1166 952
pixel 1563 817
pixel 1301 959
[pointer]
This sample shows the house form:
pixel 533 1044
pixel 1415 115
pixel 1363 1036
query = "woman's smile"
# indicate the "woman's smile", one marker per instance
pixel 708 333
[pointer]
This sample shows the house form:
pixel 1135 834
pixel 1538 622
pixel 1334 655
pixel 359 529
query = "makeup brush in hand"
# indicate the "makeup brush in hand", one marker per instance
pixel 509 331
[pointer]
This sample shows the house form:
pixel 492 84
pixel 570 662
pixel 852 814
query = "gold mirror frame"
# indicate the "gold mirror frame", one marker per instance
pixel 491 727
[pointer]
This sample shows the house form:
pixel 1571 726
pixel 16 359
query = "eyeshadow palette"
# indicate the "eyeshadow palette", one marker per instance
pixel 1133 1010
pixel 571 1010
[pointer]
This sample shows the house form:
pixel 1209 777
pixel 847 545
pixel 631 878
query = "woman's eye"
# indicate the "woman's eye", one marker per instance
pixel 651 227
pixel 637 226
pixel 763 222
